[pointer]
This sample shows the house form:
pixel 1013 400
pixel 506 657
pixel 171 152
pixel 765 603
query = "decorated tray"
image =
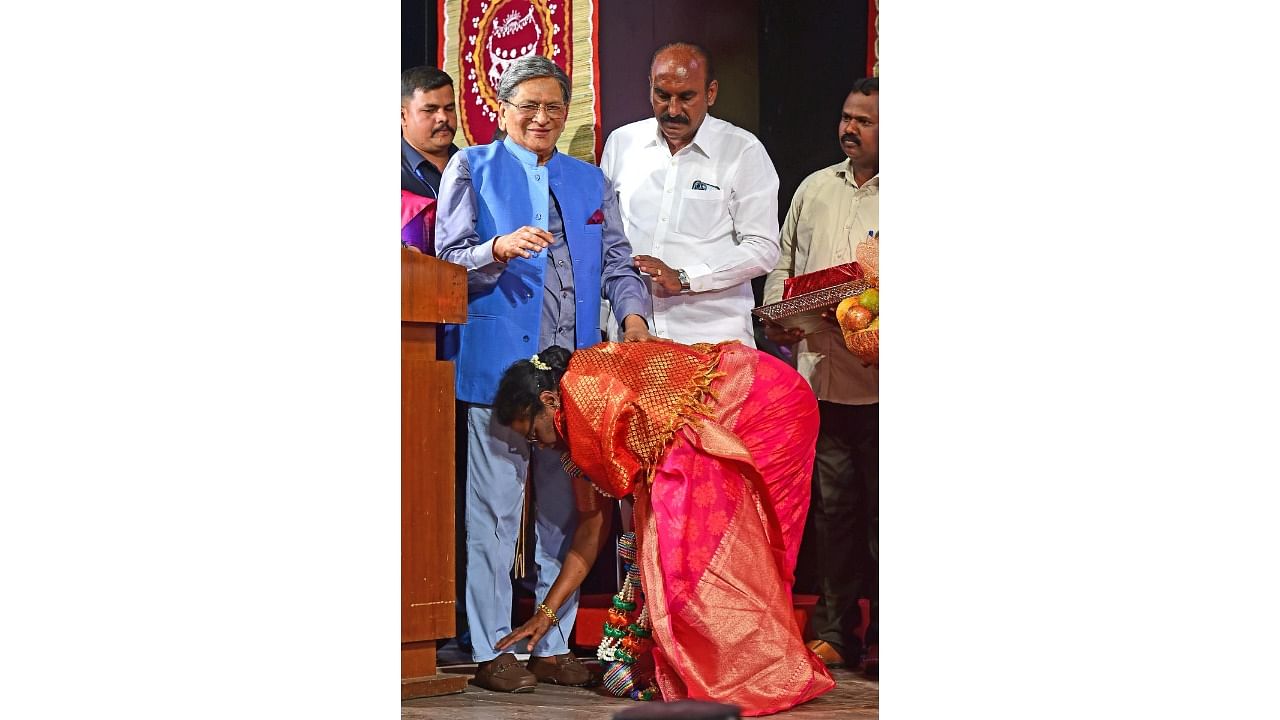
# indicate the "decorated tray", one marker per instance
pixel 805 311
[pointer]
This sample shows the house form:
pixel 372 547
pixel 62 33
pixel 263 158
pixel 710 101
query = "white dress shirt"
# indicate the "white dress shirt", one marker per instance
pixel 711 209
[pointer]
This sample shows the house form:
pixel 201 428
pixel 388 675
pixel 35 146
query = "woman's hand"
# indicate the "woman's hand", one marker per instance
pixel 534 629
pixel 592 532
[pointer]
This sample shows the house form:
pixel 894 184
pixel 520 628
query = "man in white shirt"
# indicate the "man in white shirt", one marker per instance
pixel 699 202
pixel 832 211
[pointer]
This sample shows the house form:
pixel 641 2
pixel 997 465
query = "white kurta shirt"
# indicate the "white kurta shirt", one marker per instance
pixel 711 209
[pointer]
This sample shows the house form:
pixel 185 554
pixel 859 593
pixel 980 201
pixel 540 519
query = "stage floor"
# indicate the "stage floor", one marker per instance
pixel 853 697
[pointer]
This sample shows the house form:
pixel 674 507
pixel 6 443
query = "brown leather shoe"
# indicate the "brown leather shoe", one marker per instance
pixel 826 653
pixel 505 674
pixel 560 669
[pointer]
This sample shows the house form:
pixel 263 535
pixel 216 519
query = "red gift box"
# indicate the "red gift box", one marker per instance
pixel 814 281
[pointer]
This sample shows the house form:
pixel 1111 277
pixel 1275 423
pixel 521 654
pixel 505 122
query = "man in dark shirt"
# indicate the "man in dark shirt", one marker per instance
pixel 428 122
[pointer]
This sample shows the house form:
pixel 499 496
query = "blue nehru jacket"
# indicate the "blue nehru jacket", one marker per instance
pixel 491 190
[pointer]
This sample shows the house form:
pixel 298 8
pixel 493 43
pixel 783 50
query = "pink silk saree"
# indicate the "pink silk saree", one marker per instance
pixel 719 528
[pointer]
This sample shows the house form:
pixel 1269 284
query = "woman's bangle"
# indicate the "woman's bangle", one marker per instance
pixel 549 613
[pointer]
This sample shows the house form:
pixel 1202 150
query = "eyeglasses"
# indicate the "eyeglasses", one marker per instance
pixel 555 111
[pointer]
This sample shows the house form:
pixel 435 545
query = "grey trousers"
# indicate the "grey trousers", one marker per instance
pixel 497 460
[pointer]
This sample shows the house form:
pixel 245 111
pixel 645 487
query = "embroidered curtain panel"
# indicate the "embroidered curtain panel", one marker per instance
pixel 480 38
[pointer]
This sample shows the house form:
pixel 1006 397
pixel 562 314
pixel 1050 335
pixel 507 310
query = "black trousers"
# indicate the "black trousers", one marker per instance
pixel 845 508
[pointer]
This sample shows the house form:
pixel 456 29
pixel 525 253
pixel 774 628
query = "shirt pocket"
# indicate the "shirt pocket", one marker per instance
pixel 591 251
pixel 593 233
pixel 701 212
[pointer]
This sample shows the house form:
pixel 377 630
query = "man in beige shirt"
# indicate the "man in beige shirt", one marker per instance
pixel 832 211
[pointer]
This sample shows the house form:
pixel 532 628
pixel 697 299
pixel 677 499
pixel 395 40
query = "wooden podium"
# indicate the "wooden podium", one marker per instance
pixel 432 292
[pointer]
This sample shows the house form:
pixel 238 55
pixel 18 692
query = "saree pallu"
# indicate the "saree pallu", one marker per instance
pixel 719 529
pixel 417 221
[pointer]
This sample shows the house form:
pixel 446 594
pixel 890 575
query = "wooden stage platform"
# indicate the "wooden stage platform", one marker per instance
pixel 853 697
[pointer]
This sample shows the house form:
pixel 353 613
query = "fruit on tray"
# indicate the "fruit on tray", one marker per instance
pixel 870 299
pixel 859 318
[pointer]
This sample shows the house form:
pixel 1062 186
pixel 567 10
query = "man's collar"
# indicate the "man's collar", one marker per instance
pixel 845 170
pixel 416 158
pixel 523 154
pixel 704 141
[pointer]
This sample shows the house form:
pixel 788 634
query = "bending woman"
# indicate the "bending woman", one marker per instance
pixel 716 443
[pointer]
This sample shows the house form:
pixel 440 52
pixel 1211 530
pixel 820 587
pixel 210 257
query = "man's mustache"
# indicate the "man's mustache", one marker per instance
pixel 848 137
pixel 681 119
pixel 443 126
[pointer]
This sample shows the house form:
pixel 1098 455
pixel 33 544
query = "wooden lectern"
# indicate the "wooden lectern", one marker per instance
pixel 432 292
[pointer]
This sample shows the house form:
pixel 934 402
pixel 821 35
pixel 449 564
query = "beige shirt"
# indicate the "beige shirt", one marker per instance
pixel 829 216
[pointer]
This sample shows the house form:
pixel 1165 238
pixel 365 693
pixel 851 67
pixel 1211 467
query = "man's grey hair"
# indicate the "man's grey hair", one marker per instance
pixel 531 67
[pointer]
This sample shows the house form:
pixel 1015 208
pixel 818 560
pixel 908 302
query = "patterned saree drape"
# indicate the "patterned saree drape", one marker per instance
pixel 719 526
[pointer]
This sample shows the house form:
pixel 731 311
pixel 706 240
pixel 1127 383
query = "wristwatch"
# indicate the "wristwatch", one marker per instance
pixel 683 277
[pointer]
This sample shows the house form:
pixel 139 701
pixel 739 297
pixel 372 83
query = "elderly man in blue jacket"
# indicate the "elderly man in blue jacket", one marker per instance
pixel 541 238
